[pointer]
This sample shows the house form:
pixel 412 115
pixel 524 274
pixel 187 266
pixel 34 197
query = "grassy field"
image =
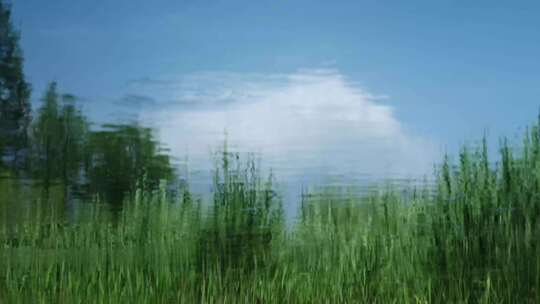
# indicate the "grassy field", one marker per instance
pixel 473 239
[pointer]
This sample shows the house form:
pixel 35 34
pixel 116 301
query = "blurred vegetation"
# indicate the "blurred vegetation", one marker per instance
pixel 473 238
pixel 58 145
pixel 120 158
pixel 108 162
pixel 14 94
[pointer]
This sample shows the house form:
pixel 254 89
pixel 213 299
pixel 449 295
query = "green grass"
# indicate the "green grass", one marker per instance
pixel 473 239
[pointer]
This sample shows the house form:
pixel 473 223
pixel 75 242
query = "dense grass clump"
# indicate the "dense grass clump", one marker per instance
pixel 473 239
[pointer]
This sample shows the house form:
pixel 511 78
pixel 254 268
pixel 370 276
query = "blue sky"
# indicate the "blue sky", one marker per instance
pixel 448 69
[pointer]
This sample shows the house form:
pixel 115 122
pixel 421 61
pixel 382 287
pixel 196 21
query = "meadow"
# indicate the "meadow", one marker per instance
pixel 473 238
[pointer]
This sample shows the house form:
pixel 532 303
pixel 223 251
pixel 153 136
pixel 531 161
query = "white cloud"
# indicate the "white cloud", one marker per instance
pixel 300 123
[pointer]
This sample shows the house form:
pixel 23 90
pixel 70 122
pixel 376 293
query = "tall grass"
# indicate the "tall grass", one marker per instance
pixel 474 239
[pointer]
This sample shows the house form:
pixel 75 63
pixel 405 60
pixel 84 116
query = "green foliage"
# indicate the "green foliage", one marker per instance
pixel 14 92
pixel 63 149
pixel 121 158
pixel 473 240
pixel 109 162
pixel 74 133
pixel 46 137
pixel 244 218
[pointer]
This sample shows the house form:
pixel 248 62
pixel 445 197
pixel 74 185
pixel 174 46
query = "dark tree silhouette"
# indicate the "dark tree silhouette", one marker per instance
pixel 14 94
pixel 122 158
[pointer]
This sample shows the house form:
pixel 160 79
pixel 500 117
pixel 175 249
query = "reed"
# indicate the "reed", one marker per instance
pixel 472 239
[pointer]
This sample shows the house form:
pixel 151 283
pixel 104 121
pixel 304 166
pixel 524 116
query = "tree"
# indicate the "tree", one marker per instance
pixel 74 137
pixel 59 139
pixel 14 93
pixel 47 138
pixel 122 158
pixel 110 162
